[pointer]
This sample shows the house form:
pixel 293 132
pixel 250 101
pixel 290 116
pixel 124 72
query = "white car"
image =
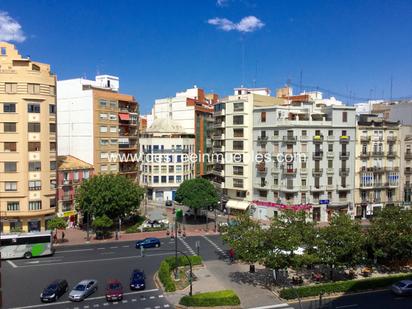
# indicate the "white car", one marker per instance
pixel 83 289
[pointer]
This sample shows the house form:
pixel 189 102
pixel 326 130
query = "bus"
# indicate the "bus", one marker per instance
pixel 26 245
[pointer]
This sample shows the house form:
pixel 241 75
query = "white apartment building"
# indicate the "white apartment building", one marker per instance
pixel 406 164
pixel 166 162
pixel 312 151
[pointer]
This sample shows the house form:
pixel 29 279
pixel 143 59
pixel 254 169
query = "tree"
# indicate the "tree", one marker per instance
pixel 57 223
pixel 246 238
pixel 289 232
pixel 341 244
pixel 197 193
pixel 112 195
pixel 101 225
pixel 389 235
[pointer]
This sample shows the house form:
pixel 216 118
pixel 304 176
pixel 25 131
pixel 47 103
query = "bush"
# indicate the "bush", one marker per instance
pixel 169 264
pixel 342 286
pixel 211 299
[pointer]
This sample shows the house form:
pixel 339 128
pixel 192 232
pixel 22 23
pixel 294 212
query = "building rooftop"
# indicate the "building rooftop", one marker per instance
pixel 72 163
pixel 165 125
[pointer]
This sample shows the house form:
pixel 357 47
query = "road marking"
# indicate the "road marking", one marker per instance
pixel 106 253
pixel 125 246
pixel 347 306
pixel 186 245
pixel 142 298
pixel 134 299
pixel 96 305
pixel 284 305
pixel 161 296
pixel 124 301
pixel 219 249
pixel 114 247
pixel 12 264
pixel 157 307
pixel 33 262
pixel 77 250
pixel 87 299
pixel 86 307
pixel 101 248
pixel 166 306
pixel 151 297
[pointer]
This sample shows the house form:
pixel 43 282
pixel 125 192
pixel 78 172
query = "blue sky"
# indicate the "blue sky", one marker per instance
pixel 351 47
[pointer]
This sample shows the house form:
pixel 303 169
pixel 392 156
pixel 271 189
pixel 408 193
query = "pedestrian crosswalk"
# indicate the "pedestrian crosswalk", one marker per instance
pixel 186 245
pixel 215 246
pixel 277 306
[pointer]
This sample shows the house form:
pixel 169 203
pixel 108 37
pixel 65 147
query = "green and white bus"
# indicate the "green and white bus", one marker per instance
pixel 26 245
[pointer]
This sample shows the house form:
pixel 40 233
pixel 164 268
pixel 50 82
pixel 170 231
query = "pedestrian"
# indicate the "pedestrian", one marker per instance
pixel 55 237
pixel 63 236
pixel 232 255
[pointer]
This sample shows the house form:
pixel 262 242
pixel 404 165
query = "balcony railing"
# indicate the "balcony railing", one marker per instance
pixel 317 172
pixel 377 153
pixel 364 155
pixel 344 172
pixel 289 171
pixel 318 139
pixel 290 139
pixel 344 139
pixel 330 154
pixel 392 169
pixel 344 155
pixel 317 155
pixel 364 138
pixel 408 155
pixel 391 139
pixel 408 171
pixel 275 170
pixel 330 170
pixel 391 154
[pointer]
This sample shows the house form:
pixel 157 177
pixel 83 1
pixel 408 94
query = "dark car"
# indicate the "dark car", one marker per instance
pixel 403 287
pixel 114 290
pixel 54 291
pixel 137 280
pixel 148 243
pixel 169 203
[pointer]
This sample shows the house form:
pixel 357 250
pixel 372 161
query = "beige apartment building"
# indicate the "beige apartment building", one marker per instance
pixel 98 125
pixel 406 165
pixel 27 142
pixel 378 158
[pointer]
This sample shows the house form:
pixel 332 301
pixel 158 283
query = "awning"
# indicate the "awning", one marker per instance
pixel 124 116
pixel 240 205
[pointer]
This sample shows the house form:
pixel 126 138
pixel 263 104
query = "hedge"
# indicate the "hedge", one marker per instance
pixel 211 299
pixel 169 264
pixel 342 286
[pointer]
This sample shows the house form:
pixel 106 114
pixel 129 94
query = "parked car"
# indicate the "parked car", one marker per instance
pixel 148 243
pixel 114 290
pixel 137 280
pixel 83 289
pixel 403 287
pixel 169 203
pixel 54 291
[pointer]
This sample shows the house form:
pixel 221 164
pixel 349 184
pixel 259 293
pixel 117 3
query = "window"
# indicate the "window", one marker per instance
pixel 330 133
pixel 113 167
pixel 104 142
pixel 178 168
pixel 86 174
pixel 238 107
pixel 344 116
pixel 112 117
pixel 238 119
pixel 330 147
pixel 238 183
pixel 33 88
pixel 303 182
pixel 52 202
pixel 9 107
pixel 237 145
pixel 103 116
pixel 10 186
pixel 11 87
pixel 9 127
pixel 113 104
pixel 171 169
pixel 53 184
pixel 10 146
pixel 103 168
pixel 10 167
pixel 35 205
pixel 330 181
pixel 156 179
pixel 343 132
pixel 103 129
pixel 13 206
pixel 52 127
pixel 238 170
pixel 52 90
pixel 52 109
pixel 304 133
pixel 34 166
pixel 263 117
pixel 52 146
pixel 330 163
pixel 241 194
pixel 238 132
pixel 113 129
pixel 178 179
pixel 104 155
pixel 171 179
pixel 34 146
pixel 164 179
pixel 3 51
pixel 103 103
pixel 52 165
pixel 34 185
pixel 34 127
pixel 276 133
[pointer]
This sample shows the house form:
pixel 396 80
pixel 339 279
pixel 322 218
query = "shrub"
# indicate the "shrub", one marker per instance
pixel 211 299
pixel 342 286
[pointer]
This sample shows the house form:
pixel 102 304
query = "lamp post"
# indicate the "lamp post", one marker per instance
pixel 88 226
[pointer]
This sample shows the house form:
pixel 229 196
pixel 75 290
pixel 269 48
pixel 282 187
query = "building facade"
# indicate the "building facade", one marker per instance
pixel 166 162
pixel 98 125
pixel 378 154
pixel 71 172
pixel 27 142
pixel 406 164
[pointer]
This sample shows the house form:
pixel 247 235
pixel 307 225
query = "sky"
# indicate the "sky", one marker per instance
pixel 350 48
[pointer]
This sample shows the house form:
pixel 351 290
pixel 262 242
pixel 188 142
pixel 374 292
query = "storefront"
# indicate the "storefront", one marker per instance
pixel 34 225
pixel 264 210
pixel 234 207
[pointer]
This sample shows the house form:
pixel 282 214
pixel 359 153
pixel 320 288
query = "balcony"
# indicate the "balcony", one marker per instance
pixel 391 154
pixel 330 170
pixel 220 148
pixel 391 185
pixel 366 186
pixel 262 139
pixel 408 171
pixel 289 189
pixel 128 146
pixel 67 182
pixel 317 188
pixel 391 139
pixel 275 138
pixel 330 154
pixel 317 155
pixel 261 168
pixel 344 155
pixel 330 187
pixel 219 113
pixel 218 137
pixel 377 153
pixel 289 171
pixel 275 170
pixel 331 138
pixel 260 185
pixel 290 139
pixel 67 197
pixel 376 169
pixel 408 156
pixel 364 155
pixel 220 124
pixel 342 187
pixel 365 139
pixel 344 139
pixel 318 139
pixel 317 172
pixel 274 187
pixel 391 169
pixel 303 170
pixel 344 172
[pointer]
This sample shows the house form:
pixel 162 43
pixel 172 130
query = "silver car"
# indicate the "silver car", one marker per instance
pixel 83 289
pixel 403 287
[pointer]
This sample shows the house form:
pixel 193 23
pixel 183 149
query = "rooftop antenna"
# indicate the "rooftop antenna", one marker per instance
pixel 254 79
pixel 300 81
pixel 242 40
pixel 391 88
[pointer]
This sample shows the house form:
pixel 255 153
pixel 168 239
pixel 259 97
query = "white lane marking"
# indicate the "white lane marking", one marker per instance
pixel 187 246
pixel 114 247
pixel 347 306
pixel 33 262
pixel 125 246
pixel 157 307
pixel 86 307
pixel 96 305
pixel 284 305
pixel 160 296
pixel 134 299
pixel 221 251
pixel 106 253
pixel 151 297
pixel 124 301
pixel 142 298
pixel 101 248
pixel 12 264
pixel 66 251
pixel 87 299
pixel 166 306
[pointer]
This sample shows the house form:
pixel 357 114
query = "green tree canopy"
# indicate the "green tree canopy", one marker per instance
pixel 390 235
pixel 102 223
pixel 57 223
pixel 113 195
pixel 197 193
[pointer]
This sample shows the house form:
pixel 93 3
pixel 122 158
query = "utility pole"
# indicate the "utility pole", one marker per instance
pixel 88 226
pixel 176 270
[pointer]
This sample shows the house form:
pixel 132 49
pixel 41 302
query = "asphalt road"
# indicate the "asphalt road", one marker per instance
pixel 23 280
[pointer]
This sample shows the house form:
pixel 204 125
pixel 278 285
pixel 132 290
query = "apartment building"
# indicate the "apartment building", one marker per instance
pixel 167 151
pixel 378 155
pixel 311 146
pixel 406 164
pixel 193 110
pixel 96 123
pixel 233 144
pixel 27 142
pixel 71 173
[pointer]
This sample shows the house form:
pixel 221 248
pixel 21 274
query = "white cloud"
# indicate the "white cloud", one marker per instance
pixel 246 24
pixel 10 29
pixel 222 3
